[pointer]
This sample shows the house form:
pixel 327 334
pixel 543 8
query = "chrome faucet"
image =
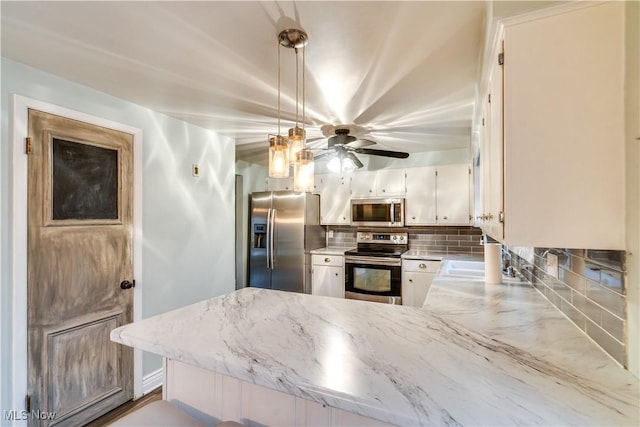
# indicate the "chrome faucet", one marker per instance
pixel 507 268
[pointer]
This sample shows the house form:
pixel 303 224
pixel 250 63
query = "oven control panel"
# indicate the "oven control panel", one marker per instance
pixel 382 238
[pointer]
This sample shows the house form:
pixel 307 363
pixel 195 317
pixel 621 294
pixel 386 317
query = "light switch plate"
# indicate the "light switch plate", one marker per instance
pixel 552 265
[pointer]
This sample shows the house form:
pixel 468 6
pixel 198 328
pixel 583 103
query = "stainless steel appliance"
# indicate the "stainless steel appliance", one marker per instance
pixel 284 227
pixel 373 271
pixel 377 212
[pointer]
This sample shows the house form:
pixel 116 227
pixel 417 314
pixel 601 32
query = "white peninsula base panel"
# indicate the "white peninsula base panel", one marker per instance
pixel 212 397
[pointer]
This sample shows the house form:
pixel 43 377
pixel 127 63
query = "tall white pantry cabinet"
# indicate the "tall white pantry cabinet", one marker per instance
pixel 552 142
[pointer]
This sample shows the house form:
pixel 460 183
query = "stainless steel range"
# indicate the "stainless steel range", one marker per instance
pixel 373 271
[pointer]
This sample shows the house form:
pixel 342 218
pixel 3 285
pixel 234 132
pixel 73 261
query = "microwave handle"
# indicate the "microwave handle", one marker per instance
pixel 393 212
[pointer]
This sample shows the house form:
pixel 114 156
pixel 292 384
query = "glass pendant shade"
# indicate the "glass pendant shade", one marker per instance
pixel 278 157
pixel 296 142
pixel 303 170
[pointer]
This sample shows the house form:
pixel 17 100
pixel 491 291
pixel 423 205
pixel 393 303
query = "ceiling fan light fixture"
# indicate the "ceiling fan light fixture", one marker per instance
pixel 335 165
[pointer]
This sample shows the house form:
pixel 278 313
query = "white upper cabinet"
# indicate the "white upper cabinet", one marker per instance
pixel 438 195
pixel 390 182
pixel 420 200
pixel 452 195
pixel 335 198
pixel 363 184
pixel 381 183
pixel 279 184
pixel 561 130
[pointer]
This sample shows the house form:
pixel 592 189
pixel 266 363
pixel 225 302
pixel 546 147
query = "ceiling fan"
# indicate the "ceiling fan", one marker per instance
pixel 341 147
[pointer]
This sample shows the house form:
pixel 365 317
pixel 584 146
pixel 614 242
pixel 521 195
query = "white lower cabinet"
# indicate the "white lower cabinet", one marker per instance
pixel 417 276
pixel 327 275
pixel 211 398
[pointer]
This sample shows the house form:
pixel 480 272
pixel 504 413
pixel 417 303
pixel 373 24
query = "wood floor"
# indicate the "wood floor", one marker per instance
pixel 126 408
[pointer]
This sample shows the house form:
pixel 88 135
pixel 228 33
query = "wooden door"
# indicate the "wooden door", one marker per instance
pixel 79 251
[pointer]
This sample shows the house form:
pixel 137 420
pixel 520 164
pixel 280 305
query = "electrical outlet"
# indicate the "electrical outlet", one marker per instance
pixel 552 265
pixel 330 234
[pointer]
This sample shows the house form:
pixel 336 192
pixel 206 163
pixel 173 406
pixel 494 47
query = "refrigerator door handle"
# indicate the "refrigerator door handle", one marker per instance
pixel 268 237
pixel 272 234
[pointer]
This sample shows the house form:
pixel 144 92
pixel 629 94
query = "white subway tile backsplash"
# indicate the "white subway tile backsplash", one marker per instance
pixel 590 290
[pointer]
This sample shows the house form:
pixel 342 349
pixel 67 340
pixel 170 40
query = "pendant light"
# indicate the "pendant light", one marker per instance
pixel 298 154
pixel 278 144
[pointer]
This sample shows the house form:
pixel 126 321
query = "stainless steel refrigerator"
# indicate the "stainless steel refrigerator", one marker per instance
pixel 283 228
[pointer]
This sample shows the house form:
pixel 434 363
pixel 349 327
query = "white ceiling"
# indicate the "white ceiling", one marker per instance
pixel 404 71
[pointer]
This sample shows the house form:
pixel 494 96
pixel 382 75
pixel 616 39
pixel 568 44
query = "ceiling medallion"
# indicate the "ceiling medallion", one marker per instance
pixel 293 38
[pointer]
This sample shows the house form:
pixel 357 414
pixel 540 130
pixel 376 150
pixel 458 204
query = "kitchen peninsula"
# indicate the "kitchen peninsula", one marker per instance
pixel 339 359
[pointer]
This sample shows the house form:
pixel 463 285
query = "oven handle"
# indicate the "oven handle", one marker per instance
pixel 392 262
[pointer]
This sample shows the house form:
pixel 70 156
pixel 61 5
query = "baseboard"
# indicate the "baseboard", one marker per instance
pixel 152 381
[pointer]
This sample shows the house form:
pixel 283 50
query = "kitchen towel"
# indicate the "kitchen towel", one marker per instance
pixel 492 263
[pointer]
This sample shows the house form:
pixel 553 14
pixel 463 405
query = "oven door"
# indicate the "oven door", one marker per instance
pixel 373 278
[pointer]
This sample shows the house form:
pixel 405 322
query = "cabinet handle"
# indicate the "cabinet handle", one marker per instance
pixel 384 191
pixel 410 280
pixel 336 274
pixel 444 217
pixel 413 217
pixel 327 260
pixel 422 266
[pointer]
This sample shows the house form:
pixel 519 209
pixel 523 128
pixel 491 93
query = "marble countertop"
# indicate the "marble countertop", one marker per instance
pixel 330 250
pixel 472 356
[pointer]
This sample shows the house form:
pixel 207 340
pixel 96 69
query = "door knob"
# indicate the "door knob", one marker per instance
pixel 125 284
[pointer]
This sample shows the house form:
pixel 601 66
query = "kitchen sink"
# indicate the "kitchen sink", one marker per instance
pixel 462 269
pixel 471 270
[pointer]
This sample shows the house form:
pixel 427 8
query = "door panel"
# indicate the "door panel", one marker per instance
pixel 259 274
pixel 79 250
pixel 289 211
pixel 71 354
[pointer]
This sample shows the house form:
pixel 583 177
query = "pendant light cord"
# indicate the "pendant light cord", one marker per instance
pixel 278 89
pixel 297 85
pixel 304 54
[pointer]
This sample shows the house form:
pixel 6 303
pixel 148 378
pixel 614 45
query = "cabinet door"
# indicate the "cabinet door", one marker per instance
pixel 279 184
pixel 335 200
pixel 363 184
pixel 496 153
pixel 564 133
pixel 420 199
pixel 390 182
pixel 452 194
pixel 328 281
pixel 415 287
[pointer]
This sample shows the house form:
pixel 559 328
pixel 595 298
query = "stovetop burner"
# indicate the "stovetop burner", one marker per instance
pixel 380 244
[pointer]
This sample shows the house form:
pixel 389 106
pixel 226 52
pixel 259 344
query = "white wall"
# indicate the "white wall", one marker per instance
pixel 254 179
pixel 632 120
pixel 188 223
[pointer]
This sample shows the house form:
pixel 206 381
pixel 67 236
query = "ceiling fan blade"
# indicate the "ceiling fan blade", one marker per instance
pixel 356 162
pixel 384 153
pixel 320 156
pixel 359 143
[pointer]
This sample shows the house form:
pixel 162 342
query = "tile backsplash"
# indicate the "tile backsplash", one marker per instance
pixel 453 240
pixel 590 290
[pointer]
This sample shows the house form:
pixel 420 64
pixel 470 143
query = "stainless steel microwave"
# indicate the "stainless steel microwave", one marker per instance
pixel 377 212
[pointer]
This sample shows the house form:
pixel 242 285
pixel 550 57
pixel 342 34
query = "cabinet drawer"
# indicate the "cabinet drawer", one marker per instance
pixel 419 265
pixel 335 260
